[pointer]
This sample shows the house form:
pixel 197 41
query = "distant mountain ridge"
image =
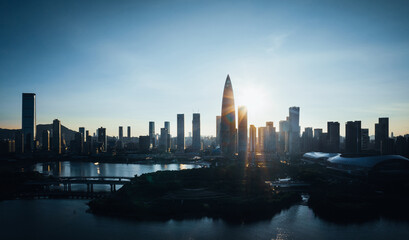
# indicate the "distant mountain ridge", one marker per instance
pixel 67 133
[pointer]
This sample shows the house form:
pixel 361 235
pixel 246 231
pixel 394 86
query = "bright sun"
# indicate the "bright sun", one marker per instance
pixel 253 98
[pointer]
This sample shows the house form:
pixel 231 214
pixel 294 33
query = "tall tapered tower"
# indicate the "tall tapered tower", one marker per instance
pixel 228 130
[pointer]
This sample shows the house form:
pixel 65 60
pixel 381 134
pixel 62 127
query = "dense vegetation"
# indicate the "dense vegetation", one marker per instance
pixel 233 193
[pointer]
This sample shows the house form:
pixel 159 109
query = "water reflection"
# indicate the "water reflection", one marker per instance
pixel 89 169
pixel 20 219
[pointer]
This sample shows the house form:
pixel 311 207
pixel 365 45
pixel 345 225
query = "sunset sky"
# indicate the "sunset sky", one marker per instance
pixel 120 63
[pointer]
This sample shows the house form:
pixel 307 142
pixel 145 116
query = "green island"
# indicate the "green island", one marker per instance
pixel 233 193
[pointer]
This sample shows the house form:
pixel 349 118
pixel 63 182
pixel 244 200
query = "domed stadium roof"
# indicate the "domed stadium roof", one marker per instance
pixel 364 162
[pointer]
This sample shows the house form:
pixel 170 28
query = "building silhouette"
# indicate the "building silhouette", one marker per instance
pixel 382 135
pixel 283 136
pixel 270 138
pixel 102 139
pixel 196 143
pixel 294 130
pixel 120 132
pixel 253 137
pixel 262 132
pixel 307 140
pixel 163 140
pixel 365 138
pixel 333 136
pixel 218 123
pixel 353 137
pixel 242 133
pixel 181 132
pixel 152 133
pixel 29 121
pixel 82 130
pixel 129 132
pixel 57 136
pixel 167 126
pixel 228 121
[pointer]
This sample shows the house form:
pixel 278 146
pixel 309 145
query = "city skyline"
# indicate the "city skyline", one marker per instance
pixel 352 66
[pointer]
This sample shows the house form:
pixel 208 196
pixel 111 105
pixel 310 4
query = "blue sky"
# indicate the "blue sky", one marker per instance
pixel 112 63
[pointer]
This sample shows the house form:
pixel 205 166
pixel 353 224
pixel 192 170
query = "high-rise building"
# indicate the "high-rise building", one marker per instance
pixel 318 140
pixel 294 130
pixel 29 124
pixel 121 132
pixel 57 136
pixel 365 138
pixel 79 143
pixel 163 141
pixel 317 133
pixel 382 135
pixel 152 133
pixel 167 126
pixel 218 123
pixel 253 131
pixel 46 140
pixel 307 140
pixel 242 133
pixel 270 141
pixel 82 130
pixel 102 138
pixel 262 132
pixel 181 132
pixel 196 143
pixel 129 132
pixel 283 136
pixel 228 120
pixel 169 138
pixel 333 136
pixel 353 137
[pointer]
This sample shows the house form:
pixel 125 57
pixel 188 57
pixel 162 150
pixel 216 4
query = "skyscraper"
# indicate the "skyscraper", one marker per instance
pixel 129 132
pixel 28 122
pixel 283 136
pixel 218 122
pixel 353 137
pixel 102 138
pixel 365 138
pixel 196 143
pixel 262 132
pixel 121 132
pixel 270 138
pixel 167 126
pixel 333 136
pixel 294 130
pixel 382 135
pixel 82 130
pixel 181 132
pixel 57 136
pixel 228 120
pixel 242 133
pixel 163 141
pixel 253 131
pixel 152 133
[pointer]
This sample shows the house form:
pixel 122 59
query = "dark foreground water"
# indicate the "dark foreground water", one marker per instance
pixel 68 219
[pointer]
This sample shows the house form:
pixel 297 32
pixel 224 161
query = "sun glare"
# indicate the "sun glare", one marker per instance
pixel 253 98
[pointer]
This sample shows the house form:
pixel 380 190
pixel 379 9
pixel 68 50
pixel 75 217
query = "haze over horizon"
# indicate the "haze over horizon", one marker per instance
pixel 127 63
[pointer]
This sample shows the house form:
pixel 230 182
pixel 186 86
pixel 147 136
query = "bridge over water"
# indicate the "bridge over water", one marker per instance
pixel 47 185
